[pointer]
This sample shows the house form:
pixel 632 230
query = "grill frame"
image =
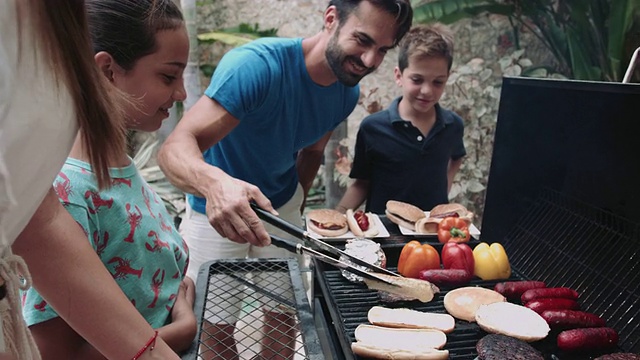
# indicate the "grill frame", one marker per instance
pixel 305 322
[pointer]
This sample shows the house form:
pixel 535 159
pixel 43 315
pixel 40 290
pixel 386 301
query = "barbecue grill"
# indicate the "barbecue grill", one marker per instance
pixel 563 198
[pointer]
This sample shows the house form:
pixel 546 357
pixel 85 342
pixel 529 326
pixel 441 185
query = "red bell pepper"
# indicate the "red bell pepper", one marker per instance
pixel 458 256
pixel 453 229
pixel 416 257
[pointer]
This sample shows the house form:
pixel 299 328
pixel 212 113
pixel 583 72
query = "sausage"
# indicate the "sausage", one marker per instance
pixel 597 338
pixel 515 289
pixel 543 304
pixel 571 319
pixel 555 292
pixel 446 277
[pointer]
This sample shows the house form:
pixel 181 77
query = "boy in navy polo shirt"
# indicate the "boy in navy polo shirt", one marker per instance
pixel 412 150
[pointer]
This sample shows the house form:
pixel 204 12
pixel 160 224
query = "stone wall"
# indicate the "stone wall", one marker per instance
pixel 484 53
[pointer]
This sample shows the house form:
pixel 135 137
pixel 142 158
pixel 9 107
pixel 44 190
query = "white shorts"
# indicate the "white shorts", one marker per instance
pixel 224 300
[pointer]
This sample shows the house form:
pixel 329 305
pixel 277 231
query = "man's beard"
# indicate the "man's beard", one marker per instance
pixel 336 59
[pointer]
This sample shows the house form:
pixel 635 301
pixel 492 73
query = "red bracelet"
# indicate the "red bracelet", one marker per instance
pixel 149 345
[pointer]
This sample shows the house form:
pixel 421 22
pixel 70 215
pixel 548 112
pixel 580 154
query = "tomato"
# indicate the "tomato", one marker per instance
pixel 453 229
pixel 458 256
pixel 416 257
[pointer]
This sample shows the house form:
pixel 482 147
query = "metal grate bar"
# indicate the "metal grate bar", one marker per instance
pixel 565 242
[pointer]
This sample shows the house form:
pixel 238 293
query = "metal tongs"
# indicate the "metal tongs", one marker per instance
pixel 301 249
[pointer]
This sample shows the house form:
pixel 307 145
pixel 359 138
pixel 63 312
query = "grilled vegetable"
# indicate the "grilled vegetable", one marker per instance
pixel 514 289
pixel 598 338
pixel 555 292
pixel 416 257
pixel 446 277
pixel 453 229
pixel 491 262
pixel 541 305
pixel 571 319
pixel 458 256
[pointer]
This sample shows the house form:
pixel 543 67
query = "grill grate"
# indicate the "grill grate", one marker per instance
pixel 259 287
pixel 349 304
pixel 565 242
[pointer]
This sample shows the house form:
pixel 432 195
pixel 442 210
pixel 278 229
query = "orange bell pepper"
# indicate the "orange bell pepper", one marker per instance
pixel 453 229
pixel 416 257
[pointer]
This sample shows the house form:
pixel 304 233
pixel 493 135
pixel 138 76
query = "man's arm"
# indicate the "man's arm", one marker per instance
pixel 180 158
pixel 65 270
pixel 308 162
pixel 454 166
pixel 355 195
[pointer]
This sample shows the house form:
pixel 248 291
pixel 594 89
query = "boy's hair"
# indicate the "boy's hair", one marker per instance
pixel 434 40
pixel 400 9
pixel 127 29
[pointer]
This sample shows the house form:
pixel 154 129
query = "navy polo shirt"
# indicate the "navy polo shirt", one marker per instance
pixel 402 164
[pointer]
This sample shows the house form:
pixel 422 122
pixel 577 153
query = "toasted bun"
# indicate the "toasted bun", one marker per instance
pixel 428 225
pixel 462 303
pixel 512 320
pixel 388 343
pixel 410 319
pixel 407 289
pixel 328 218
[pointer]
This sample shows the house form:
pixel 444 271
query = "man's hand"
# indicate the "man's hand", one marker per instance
pixel 229 212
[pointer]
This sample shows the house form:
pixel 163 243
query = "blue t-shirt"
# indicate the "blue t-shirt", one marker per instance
pixel 265 85
pixel 402 164
pixel 132 233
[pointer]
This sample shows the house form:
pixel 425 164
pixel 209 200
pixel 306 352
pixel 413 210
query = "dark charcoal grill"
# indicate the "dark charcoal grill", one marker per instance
pixel 563 198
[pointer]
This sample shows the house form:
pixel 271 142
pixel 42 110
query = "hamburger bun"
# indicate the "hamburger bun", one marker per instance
pixel 410 319
pixel 327 222
pixel 462 303
pixel 512 320
pixel 453 209
pixel 404 214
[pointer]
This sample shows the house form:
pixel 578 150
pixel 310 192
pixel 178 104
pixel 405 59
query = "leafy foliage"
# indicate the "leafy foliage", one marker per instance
pixel 587 37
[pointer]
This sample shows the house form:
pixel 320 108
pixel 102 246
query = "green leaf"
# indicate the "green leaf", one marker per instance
pixel 449 11
pixel 582 67
pixel 620 21
pixel 226 38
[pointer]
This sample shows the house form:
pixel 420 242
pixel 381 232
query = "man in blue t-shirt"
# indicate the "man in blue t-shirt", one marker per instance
pixel 259 132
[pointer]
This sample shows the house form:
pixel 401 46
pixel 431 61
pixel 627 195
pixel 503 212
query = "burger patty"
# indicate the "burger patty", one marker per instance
pixel 619 356
pixel 501 347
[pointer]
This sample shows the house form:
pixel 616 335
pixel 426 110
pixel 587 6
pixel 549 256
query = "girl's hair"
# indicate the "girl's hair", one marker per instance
pixel 400 9
pixel 435 40
pixel 61 32
pixel 126 29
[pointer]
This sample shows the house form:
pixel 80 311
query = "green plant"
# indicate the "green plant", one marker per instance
pixel 587 37
pixel 233 36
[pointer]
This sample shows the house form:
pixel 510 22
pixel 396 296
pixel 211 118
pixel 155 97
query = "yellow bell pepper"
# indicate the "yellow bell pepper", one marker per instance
pixel 491 262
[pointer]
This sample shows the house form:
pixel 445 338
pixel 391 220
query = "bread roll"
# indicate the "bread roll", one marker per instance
pixel 403 214
pixel 428 225
pixel 408 289
pixel 387 343
pixel 462 303
pixel 410 319
pixel 512 320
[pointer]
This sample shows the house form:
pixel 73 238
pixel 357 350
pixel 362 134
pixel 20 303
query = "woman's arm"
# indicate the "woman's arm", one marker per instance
pixel 67 272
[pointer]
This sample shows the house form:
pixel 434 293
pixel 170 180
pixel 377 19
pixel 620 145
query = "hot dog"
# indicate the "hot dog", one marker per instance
pixel 544 304
pixel 446 277
pixel 555 292
pixel 571 319
pixel 514 289
pixel 598 338
pixel 361 224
